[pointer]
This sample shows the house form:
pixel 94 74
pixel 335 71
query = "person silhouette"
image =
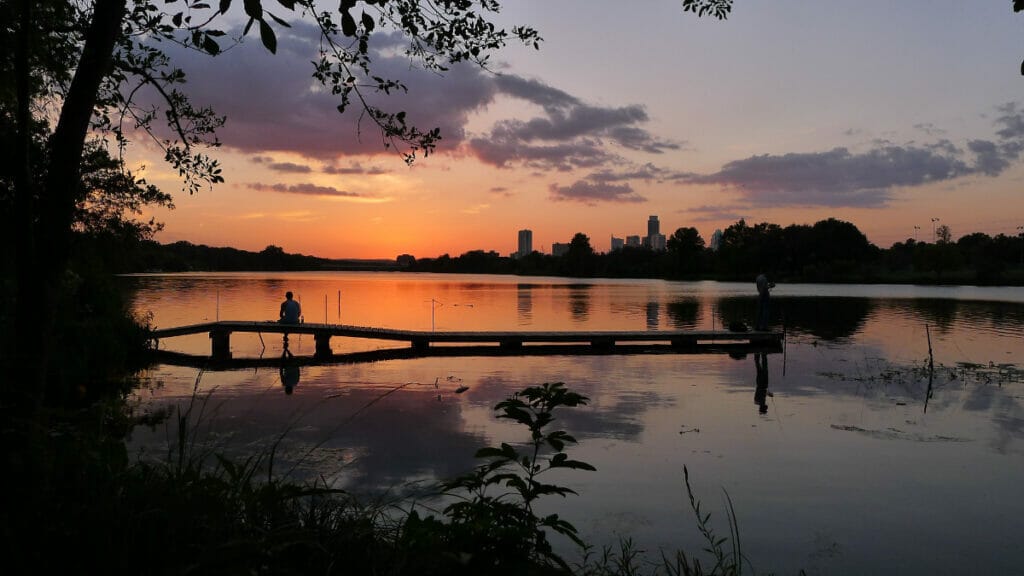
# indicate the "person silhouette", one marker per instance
pixel 761 388
pixel 764 287
pixel 290 313
pixel 291 310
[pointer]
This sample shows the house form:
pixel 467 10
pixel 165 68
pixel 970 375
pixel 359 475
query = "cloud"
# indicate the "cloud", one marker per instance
pixel 305 189
pixel 593 192
pixel 475 209
pixel 644 172
pixel 355 168
pixel 570 134
pixel 842 178
pixel 709 213
pixel 289 167
pixel 273 103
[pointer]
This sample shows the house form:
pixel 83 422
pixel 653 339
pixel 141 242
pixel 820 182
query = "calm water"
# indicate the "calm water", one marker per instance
pixel 846 466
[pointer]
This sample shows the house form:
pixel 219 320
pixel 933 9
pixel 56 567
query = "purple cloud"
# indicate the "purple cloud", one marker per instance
pixel 289 167
pixel 840 177
pixel 354 169
pixel 306 189
pixel 591 193
pixel 709 213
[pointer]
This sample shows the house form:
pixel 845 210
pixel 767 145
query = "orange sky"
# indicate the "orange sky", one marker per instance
pixel 786 113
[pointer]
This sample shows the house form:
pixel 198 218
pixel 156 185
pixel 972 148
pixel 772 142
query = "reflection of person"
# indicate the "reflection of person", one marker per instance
pixel 291 310
pixel 761 390
pixel 289 377
pixel 764 287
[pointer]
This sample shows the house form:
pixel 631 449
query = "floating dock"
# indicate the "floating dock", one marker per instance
pixel 507 341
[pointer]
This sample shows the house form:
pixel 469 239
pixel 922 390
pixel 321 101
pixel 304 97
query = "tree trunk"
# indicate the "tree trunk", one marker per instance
pixel 24 219
pixel 49 240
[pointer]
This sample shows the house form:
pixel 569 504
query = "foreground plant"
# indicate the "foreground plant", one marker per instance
pixel 492 527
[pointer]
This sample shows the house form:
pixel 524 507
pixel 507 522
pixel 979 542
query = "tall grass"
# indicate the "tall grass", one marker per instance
pixel 195 511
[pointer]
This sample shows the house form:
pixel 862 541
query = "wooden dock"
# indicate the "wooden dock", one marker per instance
pixel 509 341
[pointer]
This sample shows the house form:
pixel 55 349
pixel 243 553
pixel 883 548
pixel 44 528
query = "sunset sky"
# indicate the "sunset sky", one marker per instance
pixel 886 114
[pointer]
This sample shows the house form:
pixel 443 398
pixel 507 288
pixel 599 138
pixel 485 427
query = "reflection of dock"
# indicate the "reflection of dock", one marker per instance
pixel 509 342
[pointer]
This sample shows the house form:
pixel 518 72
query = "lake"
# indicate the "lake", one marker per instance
pixel 847 463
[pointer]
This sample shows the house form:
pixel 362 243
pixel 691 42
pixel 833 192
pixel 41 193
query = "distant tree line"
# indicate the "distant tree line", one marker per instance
pixel 150 256
pixel 828 251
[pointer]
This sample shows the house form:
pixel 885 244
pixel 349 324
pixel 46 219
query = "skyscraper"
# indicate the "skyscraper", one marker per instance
pixel 716 240
pixel 525 243
pixel 654 240
pixel 653 226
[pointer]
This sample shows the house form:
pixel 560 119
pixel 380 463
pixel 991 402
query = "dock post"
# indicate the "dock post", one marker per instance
pixel 323 345
pixel 220 344
pixel 510 344
pixel 684 342
pixel 420 344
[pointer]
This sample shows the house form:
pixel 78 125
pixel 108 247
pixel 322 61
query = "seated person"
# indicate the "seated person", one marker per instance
pixel 291 310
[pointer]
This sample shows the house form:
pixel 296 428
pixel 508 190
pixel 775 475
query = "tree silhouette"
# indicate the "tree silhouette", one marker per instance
pixel 83 64
pixel 685 247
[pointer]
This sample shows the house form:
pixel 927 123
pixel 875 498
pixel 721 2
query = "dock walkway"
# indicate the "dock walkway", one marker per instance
pixel 689 340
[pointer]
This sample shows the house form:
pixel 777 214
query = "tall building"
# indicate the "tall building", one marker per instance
pixel 525 243
pixel 559 248
pixel 658 242
pixel 716 240
pixel 653 226
pixel 654 240
pixel 617 243
pixel 633 241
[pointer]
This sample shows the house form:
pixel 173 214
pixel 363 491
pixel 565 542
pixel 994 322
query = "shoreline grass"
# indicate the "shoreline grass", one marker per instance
pixel 83 505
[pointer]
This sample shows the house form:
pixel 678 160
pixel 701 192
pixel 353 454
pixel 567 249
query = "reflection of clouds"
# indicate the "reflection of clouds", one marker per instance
pixel 609 414
pixel 1009 422
pixel 371 438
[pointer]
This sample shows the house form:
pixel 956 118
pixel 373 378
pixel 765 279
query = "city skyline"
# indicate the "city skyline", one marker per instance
pixel 869 113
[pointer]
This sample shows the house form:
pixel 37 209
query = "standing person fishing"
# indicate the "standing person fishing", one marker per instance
pixel 764 287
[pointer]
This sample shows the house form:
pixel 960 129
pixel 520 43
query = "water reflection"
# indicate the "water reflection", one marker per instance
pixel 761 392
pixel 684 313
pixel 524 304
pixel 829 319
pixel 847 429
pixel 289 373
pixel 653 321
pixel 579 302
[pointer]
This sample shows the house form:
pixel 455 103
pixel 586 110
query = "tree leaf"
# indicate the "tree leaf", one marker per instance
pixel 278 20
pixel 210 45
pixel 224 5
pixel 368 22
pixel 489 452
pixel 348 24
pixel 268 37
pixel 254 8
